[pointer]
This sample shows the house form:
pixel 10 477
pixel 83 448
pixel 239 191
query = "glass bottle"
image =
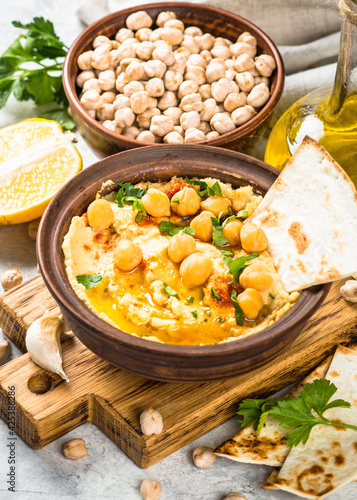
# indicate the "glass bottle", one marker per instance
pixel 328 115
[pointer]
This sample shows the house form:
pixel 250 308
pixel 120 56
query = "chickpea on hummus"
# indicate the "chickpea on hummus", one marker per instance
pixel 176 262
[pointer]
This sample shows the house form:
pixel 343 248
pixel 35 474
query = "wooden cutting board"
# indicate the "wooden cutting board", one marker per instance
pixel 47 407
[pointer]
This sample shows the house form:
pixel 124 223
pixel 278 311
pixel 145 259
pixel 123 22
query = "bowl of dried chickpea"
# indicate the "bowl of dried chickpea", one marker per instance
pixel 172 73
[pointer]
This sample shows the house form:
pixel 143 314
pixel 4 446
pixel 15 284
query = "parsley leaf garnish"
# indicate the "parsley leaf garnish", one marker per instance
pixel 42 81
pixel 215 190
pixel 201 184
pixel 194 314
pixel 190 299
pixel 227 253
pixel 237 266
pixel 215 294
pixel 89 280
pixel 128 193
pixel 170 291
pixel 242 214
pixel 238 310
pixel 295 411
pixel 271 296
pixel 113 228
pixel 172 229
pixel 217 234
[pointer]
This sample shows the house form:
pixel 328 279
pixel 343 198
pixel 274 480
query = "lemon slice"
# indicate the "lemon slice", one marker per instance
pixel 36 159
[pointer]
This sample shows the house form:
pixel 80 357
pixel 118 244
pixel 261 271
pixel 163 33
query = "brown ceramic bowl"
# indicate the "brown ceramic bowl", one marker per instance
pixel 210 19
pixel 151 359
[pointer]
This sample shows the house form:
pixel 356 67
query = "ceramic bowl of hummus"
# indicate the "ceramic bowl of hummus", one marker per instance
pixel 156 268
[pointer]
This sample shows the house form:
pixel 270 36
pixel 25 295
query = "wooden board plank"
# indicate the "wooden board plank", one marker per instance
pixel 113 399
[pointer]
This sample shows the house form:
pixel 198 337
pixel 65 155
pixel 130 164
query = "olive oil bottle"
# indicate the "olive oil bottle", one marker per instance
pixel 327 115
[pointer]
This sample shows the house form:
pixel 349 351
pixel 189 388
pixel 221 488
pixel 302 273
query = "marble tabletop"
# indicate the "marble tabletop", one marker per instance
pixel 106 472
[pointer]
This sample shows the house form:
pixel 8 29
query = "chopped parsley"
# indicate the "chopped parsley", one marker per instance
pixel 238 310
pixel 201 184
pixel 194 314
pixel 113 228
pixel 172 229
pixel 217 234
pixel 271 296
pixel 190 299
pixel 89 280
pixel 176 201
pixel 227 253
pixel 215 294
pixel 215 190
pixel 170 291
pixel 242 214
pixel 237 266
pixel 128 193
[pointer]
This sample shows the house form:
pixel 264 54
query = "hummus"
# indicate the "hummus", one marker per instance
pixel 151 301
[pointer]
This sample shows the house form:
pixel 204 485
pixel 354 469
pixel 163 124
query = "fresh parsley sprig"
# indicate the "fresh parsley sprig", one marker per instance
pixel 171 229
pixel 89 280
pixel 31 68
pixel 202 191
pixel 295 412
pixel 130 194
pixel 237 266
pixel 237 309
pixel 217 233
pixel 170 291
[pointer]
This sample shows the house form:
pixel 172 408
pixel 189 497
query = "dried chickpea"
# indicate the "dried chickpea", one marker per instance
pixel 155 87
pixel 251 303
pixel 189 202
pixel 187 87
pixel 193 31
pixel 258 95
pixel 261 79
pixel 164 53
pixel 205 91
pixel 131 132
pixel 155 35
pixel 216 204
pixel 215 70
pixel 100 215
pixel 179 130
pixel 243 48
pixel 242 114
pixel 172 79
pixel 234 101
pixel 203 226
pixel 137 20
pixel 107 79
pixel 207 56
pixel 135 71
pixel 150 490
pixel 196 74
pixel 222 123
pixel 127 255
pixel 191 119
pixel 84 60
pixel 106 112
pixel 123 34
pixel 112 126
pixel 83 77
pixel 220 89
pixel 92 84
pixel 205 41
pixel 212 135
pixel 139 102
pixel 174 23
pixel 191 44
pixel 132 87
pixel 92 113
pixel 245 81
pixel 163 17
pixel 209 108
pixel 253 238
pixel 121 81
pixel 256 276
pixel 101 58
pixel 204 127
pixel 265 64
pixel 154 68
pixel 182 54
pixel 191 102
pixel 143 34
pixel 231 231
pixel 156 203
pixel 174 113
pixel 221 51
pixel 223 41
pixel 144 119
pixel 168 100
pixel 124 63
pixel 126 50
pixel 121 101
pixel 230 74
pixel 195 270
pixel 173 138
pixel 161 125
pixel 100 40
pixel 145 136
pixel 172 35
pixel 244 63
pixel 194 135
pixel 108 97
pixel 144 51
pixel 152 102
pixel 181 246
pixel 91 100
pixel 246 37
pixel 124 117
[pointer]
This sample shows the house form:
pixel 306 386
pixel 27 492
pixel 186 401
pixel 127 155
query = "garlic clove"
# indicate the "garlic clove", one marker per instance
pixel 4 352
pixel 43 343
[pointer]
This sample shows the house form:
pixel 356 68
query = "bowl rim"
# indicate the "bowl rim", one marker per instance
pixel 70 86
pixel 59 286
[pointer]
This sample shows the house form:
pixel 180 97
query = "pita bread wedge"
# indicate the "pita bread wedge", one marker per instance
pixel 269 448
pixel 270 482
pixel 328 460
pixel 310 218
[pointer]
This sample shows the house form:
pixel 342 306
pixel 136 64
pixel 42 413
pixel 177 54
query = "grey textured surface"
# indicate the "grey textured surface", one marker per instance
pixel 106 472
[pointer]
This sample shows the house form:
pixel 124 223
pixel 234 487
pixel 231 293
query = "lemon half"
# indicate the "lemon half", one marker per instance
pixel 36 159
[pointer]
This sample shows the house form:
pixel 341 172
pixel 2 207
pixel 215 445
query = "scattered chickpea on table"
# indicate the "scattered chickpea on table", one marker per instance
pixel 172 84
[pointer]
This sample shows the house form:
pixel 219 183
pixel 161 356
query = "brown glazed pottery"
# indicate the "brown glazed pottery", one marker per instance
pixel 143 357
pixel 216 21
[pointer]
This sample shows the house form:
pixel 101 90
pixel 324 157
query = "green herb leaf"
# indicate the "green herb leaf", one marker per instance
pixel 201 184
pixel 115 230
pixel 60 115
pixel 170 291
pixel 194 314
pixel 242 214
pixel 190 299
pixel 172 229
pixel 318 394
pixel 271 296
pixel 215 190
pixel 189 230
pixel 238 310
pixel 89 280
pixel 215 294
pixel 227 253
pixel 131 194
pixel 220 319
pixel 237 266
pixel 217 234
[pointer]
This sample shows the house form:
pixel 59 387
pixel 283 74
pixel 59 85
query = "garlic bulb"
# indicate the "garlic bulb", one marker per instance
pixel 43 343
